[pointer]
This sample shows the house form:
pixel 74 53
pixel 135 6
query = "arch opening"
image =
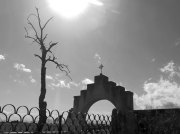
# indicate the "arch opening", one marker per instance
pixel 101 107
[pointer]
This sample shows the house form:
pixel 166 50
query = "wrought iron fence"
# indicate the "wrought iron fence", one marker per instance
pixel 24 120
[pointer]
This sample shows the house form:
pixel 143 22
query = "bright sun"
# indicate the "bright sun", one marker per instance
pixel 68 8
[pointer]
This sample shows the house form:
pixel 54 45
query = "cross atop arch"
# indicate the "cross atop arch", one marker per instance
pixel 101 67
pixel 103 89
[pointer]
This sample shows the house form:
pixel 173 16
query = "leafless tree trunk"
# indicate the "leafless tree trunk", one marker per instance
pixel 46 56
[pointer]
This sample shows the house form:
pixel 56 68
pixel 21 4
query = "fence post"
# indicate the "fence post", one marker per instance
pixel 60 124
pixel 114 124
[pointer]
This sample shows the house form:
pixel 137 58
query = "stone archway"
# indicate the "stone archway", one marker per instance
pixel 103 89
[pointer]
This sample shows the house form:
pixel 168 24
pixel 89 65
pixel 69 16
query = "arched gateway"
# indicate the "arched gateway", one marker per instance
pixel 102 89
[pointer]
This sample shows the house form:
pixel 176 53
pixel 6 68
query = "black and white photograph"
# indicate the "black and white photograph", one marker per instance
pixel 89 66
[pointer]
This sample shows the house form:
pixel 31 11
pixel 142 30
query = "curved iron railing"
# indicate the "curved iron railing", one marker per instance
pixel 25 120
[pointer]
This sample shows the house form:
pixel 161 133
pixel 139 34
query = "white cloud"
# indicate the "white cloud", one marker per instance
pixel 22 67
pixel 32 80
pixel 169 69
pixel 74 83
pixel 159 94
pixel 153 60
pixel 2 57
pixel 98 58
pixel 87 81
pixel 49 77
pixel 22 82
pixel 177 42
pixel 60 83
pixel 165 93
pixel 23 79
pixel 56 82
pixel 64 84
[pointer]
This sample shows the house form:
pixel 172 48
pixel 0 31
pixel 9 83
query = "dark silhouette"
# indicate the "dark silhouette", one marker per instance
pixel 67 122
pixel 101 89
pixel 46 56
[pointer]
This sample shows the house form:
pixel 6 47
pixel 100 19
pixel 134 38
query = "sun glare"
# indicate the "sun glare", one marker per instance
pixel 71 8
pixel 68 8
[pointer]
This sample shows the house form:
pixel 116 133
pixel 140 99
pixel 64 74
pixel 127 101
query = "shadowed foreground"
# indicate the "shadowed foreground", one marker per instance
pixel 23 120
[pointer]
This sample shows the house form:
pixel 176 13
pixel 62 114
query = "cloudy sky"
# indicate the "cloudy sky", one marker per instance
pixel 137 41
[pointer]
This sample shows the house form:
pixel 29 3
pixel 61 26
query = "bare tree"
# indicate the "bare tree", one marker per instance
pixel 47 55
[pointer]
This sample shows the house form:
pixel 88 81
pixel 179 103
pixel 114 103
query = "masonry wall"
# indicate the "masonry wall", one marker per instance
pixel 103 89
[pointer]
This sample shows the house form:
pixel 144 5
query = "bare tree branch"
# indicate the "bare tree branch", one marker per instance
pixel 47 22
pixel 38 17
pixel 32 14
pixel 62 67
pixel 45 37
pixel 36 55
pixel 34 39
pixel 36 34
pixel 26 31
pixel 51 45
pixel 41 29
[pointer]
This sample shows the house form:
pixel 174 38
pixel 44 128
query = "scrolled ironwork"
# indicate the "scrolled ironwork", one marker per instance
pixel 25 120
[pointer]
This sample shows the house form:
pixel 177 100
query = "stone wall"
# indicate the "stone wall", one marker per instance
pixel 164 121
pixel 103 89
